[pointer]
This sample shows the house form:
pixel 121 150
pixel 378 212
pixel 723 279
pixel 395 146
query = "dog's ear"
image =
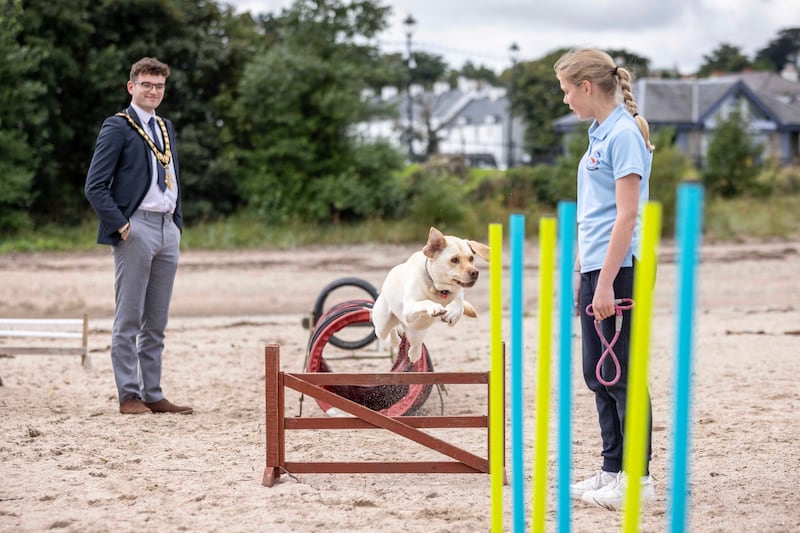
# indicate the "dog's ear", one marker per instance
pixel 480 249
pixel 469 310
pixel 436 243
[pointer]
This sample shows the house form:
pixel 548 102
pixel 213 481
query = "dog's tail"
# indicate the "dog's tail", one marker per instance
pixel 469 310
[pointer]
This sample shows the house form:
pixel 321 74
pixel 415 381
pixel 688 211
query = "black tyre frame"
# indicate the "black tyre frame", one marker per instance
pixel 319 310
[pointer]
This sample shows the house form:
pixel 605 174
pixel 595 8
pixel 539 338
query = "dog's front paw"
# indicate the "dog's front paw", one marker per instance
pixel 435 310
pixel 451 318
pixel 438 312
pixel 453 314
pixel 429 310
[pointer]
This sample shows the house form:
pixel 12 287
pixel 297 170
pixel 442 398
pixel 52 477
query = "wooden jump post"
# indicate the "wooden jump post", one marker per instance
pixel 311 384
pixel 48 331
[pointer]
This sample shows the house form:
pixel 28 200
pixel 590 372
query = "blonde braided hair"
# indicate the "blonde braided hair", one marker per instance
pixel 599 68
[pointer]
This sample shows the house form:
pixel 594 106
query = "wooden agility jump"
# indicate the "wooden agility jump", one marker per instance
pixel 409 427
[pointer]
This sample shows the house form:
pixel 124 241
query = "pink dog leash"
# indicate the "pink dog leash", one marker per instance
pixel 620 305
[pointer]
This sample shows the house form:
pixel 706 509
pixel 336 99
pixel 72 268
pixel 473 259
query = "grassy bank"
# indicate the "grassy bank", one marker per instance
pixel 725 220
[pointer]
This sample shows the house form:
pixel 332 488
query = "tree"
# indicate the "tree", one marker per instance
pixel 427 69
pixel 538 101
pixel 725 58
pixel 637 65
pixel 390 70
pixel 785 48
pixel 18 115
pixel 431 135
pixel 732 158
pixel 206 49
pixel 671 166
pixel 472 72
pixel 81 52
pixel 298 102
pixel 58 35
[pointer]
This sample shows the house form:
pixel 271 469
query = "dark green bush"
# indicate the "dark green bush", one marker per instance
pixel 732 159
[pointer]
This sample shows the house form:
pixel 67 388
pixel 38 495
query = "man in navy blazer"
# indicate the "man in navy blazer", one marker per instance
pixel 121 154
pixel 133 185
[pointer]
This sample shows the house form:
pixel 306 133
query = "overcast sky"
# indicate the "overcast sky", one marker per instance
pixel 671 33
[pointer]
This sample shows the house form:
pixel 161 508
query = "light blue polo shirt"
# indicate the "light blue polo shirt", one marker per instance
pixel 616 149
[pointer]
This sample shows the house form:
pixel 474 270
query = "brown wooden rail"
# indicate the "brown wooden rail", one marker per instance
pixel 409 427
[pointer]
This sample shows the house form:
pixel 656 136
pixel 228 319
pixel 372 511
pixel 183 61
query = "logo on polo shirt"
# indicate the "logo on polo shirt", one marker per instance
pixel 593 161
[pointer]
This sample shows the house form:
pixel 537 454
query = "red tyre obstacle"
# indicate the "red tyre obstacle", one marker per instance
pixel 388 399
pixel 319 310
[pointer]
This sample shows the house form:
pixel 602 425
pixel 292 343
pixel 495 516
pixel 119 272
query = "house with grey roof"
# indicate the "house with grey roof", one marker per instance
pixel 470 120
pixel 692 107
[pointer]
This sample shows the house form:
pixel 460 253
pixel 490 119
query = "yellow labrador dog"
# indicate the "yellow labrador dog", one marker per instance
pixel 427 287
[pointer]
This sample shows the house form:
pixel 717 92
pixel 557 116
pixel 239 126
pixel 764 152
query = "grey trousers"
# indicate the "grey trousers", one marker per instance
pixel 144 273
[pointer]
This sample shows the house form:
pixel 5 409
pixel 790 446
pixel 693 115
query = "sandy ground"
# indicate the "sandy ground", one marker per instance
pixel 71 462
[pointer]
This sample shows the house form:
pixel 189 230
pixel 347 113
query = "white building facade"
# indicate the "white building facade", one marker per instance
pixel 471 120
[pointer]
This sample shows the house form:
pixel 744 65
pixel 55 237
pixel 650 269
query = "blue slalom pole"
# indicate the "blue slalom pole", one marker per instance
pixel 566 239
pixel 688 238
pixel 517 225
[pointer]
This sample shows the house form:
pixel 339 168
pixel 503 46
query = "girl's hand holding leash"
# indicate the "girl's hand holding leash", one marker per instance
pixel 603 302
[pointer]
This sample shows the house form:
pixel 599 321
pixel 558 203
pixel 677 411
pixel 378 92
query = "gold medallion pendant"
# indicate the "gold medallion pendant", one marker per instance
pixel 168 178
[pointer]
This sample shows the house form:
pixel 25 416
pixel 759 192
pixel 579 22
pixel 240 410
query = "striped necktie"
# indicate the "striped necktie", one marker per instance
pixel 162 184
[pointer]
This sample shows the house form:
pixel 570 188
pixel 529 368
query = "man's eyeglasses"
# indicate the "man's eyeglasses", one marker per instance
pixel 147 86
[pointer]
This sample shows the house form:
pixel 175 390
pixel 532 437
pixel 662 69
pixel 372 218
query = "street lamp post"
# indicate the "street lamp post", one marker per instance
pixel 410 25
pixel 513 53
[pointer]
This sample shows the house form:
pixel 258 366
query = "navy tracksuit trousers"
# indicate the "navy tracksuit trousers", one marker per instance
pixel 611 401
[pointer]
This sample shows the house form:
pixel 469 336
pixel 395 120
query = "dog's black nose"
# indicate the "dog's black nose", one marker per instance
pixel 474 274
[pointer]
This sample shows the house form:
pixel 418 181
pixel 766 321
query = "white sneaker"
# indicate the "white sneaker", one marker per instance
pixel 612 496
pixel 600 479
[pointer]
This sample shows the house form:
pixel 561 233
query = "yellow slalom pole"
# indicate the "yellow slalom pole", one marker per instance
pixel 547 247
pixel 496 374
pixel 637 418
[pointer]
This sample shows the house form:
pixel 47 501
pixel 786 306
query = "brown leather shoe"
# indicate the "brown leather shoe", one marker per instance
pixel 133 406
pixel 165 406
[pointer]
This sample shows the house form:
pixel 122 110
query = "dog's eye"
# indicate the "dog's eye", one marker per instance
pixel 454 260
